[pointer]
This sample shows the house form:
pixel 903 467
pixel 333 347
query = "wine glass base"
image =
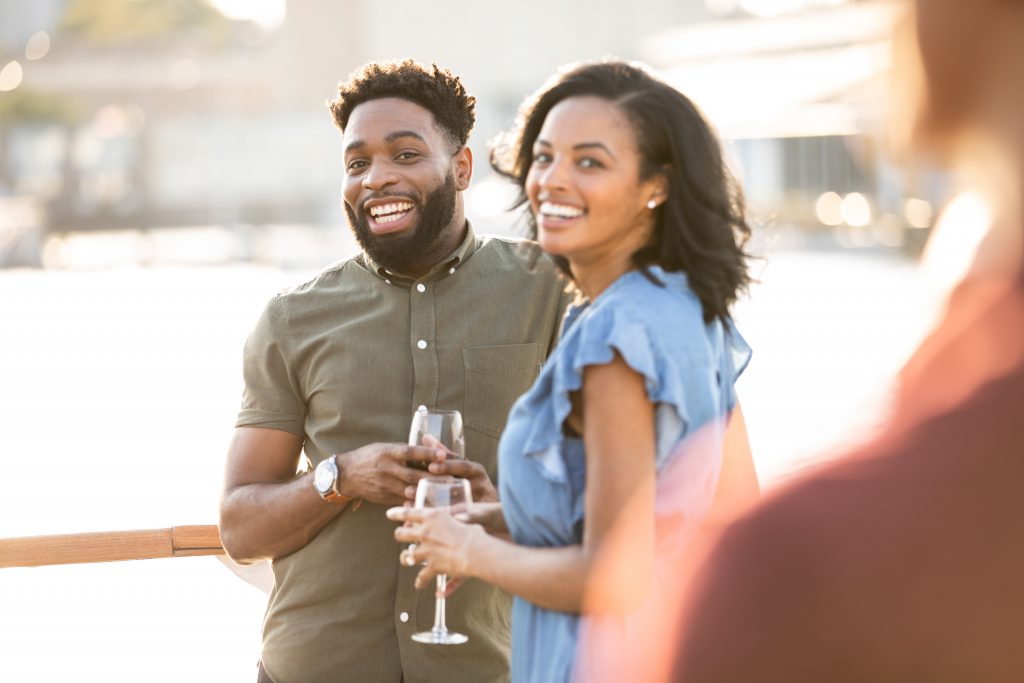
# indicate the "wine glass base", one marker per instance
pixel 440 638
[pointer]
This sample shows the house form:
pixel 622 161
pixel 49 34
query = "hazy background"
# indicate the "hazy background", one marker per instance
pixel 166 165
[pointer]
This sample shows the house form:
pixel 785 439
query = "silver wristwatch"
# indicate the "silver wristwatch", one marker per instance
pixel 325 480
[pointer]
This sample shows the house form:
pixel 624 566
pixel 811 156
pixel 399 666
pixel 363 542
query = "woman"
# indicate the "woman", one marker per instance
pixel 628 191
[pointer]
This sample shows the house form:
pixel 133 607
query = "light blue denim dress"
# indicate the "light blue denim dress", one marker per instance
pixel 689 369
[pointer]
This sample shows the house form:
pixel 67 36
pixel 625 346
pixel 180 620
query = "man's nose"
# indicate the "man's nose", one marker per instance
pixel 379 176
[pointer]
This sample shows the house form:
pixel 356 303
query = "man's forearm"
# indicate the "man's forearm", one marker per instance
pixel 267 521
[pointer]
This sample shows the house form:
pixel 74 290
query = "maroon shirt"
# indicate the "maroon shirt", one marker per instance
pixel 903 561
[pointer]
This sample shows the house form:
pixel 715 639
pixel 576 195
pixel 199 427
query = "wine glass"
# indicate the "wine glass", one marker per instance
pixel 438 429
pixel 453 494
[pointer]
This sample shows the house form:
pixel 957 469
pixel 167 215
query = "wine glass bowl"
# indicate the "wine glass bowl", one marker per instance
pixel 438 429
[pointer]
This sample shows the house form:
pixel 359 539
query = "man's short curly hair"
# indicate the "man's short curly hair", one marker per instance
pixel 435 89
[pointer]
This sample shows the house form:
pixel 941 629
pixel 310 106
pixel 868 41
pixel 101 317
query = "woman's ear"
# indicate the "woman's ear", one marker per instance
pixel 658 192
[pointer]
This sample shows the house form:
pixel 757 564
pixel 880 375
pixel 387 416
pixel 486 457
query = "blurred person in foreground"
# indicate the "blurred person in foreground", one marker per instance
pixel 627 188
pixel 903 560
pixel 428 314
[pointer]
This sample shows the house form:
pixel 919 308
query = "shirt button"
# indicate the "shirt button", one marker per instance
pixel 421 344
pixel 403 617
pixel 421 287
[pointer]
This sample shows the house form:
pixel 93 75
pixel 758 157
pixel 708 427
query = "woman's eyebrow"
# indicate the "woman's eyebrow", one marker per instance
pixel 581 145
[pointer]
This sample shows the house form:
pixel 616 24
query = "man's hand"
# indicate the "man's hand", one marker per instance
pixel 379 472
pixel 483 489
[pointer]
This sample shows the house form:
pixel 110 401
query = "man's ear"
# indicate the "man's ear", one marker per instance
pixel 463 160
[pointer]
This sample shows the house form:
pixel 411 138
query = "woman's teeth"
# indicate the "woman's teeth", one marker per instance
pixel 560 210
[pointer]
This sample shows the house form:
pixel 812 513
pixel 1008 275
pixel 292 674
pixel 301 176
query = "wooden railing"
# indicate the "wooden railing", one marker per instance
pixel 110 546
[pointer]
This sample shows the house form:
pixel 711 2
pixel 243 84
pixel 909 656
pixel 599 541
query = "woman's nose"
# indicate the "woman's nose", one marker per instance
pixel 553 176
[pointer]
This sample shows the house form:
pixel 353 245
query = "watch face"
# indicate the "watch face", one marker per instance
pixel 324 475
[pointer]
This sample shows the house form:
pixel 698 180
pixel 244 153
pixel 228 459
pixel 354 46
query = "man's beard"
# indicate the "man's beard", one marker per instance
pixel 402 253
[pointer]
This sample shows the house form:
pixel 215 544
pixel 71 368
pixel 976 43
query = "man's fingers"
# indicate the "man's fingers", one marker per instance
pixel 431 441
pixel 422 454
pixel 452 586
pixel 467 469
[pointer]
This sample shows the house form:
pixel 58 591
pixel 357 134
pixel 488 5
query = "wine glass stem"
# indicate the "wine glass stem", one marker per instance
pixel 442 586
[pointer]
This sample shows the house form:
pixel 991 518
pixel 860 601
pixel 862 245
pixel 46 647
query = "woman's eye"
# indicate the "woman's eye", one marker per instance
pixel 590 162
pixel 541 158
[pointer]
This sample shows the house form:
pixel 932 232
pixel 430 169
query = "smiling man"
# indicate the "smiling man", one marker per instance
pixel 428 314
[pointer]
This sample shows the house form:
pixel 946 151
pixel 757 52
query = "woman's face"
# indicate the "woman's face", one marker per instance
pixel 584 184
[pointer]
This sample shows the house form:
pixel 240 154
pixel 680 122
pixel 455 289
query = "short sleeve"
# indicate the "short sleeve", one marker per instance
pixel 271 398
pixel 594 339
pixel 735 358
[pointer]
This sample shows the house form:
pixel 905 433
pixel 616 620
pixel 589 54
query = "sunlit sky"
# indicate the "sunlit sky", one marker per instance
pixel 270 13
pixel 266 13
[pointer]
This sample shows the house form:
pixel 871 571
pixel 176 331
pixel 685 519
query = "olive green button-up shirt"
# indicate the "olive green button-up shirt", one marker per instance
pixel 344 360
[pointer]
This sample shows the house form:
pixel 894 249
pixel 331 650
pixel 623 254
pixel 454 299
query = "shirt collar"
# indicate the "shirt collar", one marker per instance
pixel 445 266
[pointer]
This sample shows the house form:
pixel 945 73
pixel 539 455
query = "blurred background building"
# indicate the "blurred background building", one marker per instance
pixel 145 114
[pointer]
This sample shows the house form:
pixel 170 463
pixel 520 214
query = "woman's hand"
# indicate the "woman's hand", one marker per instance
pixel 490 516
pixel 442 543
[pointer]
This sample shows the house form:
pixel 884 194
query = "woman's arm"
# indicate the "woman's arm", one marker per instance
pixel 619 504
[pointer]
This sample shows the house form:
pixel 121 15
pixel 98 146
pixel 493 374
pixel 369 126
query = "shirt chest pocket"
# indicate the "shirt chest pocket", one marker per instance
pixel 495 377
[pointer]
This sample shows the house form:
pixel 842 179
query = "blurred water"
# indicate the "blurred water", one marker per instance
pixel 118 390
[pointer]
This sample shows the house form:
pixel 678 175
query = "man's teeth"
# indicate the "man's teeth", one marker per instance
pixel 389 213
pixel 560 210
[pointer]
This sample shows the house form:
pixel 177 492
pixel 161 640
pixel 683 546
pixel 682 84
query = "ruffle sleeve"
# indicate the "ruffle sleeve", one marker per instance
pixel 734 362
pixel 595 338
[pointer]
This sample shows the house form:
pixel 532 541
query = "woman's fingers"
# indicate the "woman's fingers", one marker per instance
pixel 406 514
pixel 408 534
pixel 453 585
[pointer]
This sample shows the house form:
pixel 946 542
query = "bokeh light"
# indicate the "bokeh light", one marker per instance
pixel 38 46
pixel 856 210
pixel 10 76
pixel 919 212
pixel 828 208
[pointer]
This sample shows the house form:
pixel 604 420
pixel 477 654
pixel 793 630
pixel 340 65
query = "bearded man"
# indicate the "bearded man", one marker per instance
pixel 428 314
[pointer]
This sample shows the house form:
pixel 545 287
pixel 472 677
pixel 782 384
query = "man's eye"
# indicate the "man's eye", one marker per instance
pixel 355 166
pixel 407 156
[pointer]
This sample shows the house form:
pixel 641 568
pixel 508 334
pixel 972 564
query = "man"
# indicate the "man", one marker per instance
pixel 428 314
pixel 903 561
